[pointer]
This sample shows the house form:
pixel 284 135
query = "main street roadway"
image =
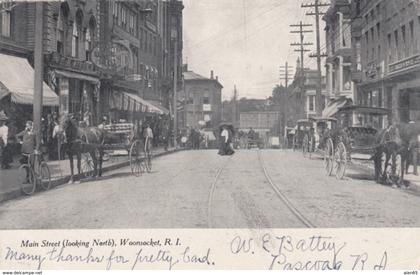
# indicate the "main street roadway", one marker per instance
pixel 200 189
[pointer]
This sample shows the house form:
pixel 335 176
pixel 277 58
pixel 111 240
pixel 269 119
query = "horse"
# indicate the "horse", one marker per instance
pixel 393 143
pixel 83 140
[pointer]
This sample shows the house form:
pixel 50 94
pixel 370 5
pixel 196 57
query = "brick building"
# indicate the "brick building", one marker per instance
pixel 102 57
pixel 387 50
pixel 203 100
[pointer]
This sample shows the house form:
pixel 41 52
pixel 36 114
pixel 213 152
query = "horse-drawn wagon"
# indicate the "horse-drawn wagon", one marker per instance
pixel 345 143
pixel 92 145
pixel 302 128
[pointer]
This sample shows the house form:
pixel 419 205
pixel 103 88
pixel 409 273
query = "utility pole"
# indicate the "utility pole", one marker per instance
pixel 302 51
pixel 38 71
pixel 234 107
pixel 284 76
pixel 302 44
pixel 317 5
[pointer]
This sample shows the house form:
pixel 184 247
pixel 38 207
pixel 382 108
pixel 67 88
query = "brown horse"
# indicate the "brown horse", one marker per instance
pixel 83 140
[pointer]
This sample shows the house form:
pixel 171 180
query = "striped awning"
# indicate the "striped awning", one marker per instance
pixel 17 80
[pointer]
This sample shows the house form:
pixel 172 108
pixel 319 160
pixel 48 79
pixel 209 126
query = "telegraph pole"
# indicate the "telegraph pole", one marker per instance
pixel 284 75
pixel 234 107
pixel 38 71
pixel 301 45
pixel 318 98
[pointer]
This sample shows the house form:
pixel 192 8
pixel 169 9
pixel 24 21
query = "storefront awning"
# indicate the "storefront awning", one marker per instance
pixel 133 103
pixel 17 79
pixel 334 106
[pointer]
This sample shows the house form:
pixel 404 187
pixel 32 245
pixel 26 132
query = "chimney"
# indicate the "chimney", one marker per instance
pixel 211 74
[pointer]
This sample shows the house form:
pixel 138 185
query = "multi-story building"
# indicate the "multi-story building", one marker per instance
pixel 338 47
pixel 203 100
pixel 17 41
pixel 388 57
pixel 302 95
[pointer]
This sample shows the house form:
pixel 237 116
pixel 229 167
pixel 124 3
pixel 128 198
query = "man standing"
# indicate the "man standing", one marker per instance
pixel 413 150
pixel 4 133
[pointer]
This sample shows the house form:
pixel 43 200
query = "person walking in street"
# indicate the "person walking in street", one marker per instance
pixel 225 140
pixel 413 147
pixel 4 134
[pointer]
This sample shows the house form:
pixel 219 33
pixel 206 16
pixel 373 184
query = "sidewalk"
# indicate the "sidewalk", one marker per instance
pixel 10 179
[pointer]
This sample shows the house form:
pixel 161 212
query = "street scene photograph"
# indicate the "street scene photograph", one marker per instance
pixel 147 114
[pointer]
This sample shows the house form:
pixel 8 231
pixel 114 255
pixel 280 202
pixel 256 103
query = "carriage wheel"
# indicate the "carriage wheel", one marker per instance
pixel 396 168
pixel 136 158
pixel 87 165
pixel 329 157
pixel 28 181
pixel 305 146
pixel 341 161
pixel 45 176
pixel 384 172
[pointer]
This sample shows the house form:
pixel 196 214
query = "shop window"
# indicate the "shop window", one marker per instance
pixel 206 100
pixel 5 23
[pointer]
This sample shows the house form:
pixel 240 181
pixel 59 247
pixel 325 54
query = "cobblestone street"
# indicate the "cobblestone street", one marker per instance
pixel 200 189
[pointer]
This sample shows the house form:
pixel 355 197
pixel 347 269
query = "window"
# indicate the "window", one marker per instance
pixel 404 41
pixel 124 17
pixel 389 49
pixel 5 23
pixel 378 30
pixel 379 52
pixel 396 44
pixel 75 41
pixel 146 36
pixel 115 9
pixel 412 42
pixel 141 39
pixel 311 103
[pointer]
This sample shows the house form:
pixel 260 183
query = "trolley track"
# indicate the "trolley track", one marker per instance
pixel 212 189
pixel 278 193
pixel 282 196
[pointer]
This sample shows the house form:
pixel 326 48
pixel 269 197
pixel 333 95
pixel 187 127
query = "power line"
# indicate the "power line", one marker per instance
pixel 317 5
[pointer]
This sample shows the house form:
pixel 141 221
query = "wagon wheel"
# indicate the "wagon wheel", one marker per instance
pixel 329 156
pixel 136 158
pixel 305 146
pixel 87 165
pixel 340 160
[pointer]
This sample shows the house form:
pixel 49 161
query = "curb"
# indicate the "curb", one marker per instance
pixel 14 194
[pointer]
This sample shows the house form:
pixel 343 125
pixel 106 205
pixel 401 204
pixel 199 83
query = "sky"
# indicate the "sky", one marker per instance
pixel 244 42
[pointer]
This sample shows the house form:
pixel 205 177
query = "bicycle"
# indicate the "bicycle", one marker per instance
pixel 37 173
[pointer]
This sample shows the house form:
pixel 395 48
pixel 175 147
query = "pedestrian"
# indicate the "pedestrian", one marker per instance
pixel 413 152
pixel 28 142
pixel 225 140
pixel 148 133
pixel 4 134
